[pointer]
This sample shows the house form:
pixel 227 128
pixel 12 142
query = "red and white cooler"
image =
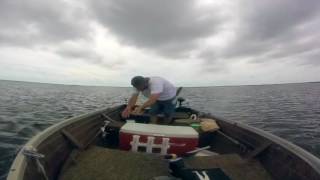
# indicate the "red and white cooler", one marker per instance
pixel 153 138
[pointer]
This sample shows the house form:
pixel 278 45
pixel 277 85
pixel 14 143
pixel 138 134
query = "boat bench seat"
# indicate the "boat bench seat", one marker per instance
pixel 102 163
pixel 235 167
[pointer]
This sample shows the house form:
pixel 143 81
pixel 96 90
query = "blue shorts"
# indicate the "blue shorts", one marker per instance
pixel 166 107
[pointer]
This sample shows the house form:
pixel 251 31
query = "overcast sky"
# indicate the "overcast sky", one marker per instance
pixel 192 43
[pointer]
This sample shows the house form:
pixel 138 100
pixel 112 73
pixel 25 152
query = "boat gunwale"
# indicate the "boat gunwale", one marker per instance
pixel 17 169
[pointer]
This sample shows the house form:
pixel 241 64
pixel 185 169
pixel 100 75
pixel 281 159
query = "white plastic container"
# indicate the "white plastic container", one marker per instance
pixel 162 139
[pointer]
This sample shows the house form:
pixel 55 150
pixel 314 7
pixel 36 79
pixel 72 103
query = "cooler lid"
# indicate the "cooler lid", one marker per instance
pixel 159 130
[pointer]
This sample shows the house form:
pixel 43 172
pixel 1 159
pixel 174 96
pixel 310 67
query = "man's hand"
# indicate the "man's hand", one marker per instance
pixel 138 110
pixel 132 101
pixel 126 112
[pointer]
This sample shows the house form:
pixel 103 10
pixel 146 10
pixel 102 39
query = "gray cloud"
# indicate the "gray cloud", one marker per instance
pixel 211 62
pixel 88 55
pixel 270 19
pixel 264 30
pixel 208 55
pixel 170 28
pixel 267 31
pixel 310 58
pixel 80 54
pixel 270 30
pixel 34 22
pixel 294 48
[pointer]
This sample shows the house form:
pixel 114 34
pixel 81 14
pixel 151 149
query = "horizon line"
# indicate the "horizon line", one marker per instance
pixel 177 86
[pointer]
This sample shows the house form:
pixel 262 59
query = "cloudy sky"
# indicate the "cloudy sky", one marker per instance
pixel 192 43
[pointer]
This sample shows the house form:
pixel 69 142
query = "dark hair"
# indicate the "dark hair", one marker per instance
pixel 138 81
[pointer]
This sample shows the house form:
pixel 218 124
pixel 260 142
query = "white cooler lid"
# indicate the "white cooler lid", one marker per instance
pixel 159 130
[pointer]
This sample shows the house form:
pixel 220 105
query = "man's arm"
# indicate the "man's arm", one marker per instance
pixel 132 101
pixel 152 99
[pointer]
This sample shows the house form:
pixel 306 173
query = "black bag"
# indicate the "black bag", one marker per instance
pixel 178 170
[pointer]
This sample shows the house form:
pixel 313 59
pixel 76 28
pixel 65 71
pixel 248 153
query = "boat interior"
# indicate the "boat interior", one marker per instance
pixel 102 159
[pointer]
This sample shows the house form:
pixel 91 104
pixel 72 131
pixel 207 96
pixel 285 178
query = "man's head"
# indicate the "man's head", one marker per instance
pixel 139 82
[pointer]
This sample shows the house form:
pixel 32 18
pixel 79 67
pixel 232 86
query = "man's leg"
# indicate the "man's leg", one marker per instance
pixel 153 113
pixel 168 111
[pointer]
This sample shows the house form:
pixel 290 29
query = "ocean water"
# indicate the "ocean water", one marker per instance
pixel 291 111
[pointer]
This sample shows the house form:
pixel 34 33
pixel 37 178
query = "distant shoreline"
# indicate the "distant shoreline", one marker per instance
pixel 183 86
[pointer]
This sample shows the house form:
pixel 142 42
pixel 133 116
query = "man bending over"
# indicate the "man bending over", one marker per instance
pixel 160 93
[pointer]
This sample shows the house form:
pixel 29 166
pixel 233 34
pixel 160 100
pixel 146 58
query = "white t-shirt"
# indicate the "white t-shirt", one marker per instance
pixel 159 85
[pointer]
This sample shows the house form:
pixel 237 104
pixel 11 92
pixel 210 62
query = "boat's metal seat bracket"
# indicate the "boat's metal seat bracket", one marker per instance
pixel 108 118
pixel 103 129
pixel 32 153
pixel 113 122
pixel 72 139
pixel 258 150
pixel 243 148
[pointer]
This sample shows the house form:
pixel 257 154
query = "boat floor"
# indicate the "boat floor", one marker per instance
pixel 102 163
